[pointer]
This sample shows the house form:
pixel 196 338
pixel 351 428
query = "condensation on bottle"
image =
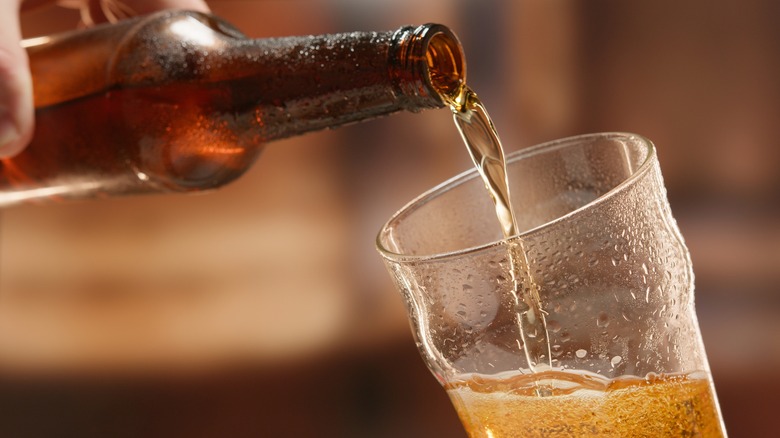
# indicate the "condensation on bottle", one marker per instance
pixel 181 101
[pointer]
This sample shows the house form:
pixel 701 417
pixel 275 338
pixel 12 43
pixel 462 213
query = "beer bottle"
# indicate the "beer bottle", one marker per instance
pixel 181 101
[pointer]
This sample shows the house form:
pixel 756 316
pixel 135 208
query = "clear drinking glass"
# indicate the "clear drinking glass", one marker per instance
pixel 615 285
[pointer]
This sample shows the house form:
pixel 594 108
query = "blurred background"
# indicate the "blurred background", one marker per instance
pixel 263 309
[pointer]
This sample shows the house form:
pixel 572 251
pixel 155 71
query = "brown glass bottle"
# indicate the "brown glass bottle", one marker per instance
pixel 182 101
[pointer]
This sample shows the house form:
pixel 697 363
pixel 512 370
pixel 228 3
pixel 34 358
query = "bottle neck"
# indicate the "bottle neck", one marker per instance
pixel 301 84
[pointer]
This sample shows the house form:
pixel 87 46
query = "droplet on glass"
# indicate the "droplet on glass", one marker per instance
pixel 602 320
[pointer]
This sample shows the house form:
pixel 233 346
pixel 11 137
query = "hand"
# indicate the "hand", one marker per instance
pixel 16 102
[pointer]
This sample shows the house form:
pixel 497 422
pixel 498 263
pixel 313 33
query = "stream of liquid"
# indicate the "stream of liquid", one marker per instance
pixel 479 135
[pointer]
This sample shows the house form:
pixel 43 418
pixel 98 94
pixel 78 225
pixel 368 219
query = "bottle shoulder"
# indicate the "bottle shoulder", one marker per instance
pixel 151 50
pixel 172 46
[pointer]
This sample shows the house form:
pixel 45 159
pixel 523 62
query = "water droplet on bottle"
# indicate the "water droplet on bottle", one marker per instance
pixel 616 360
pixel 581 353
pixel 602 320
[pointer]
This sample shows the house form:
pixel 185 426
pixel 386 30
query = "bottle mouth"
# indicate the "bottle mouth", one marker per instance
pixel 446 64
pixel 432 63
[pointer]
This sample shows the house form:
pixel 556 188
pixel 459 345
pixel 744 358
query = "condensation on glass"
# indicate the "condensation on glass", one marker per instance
pixel 615 283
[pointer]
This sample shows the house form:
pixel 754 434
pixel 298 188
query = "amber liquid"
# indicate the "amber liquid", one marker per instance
pixel 584 405
pixel 180 137
pixel 481 139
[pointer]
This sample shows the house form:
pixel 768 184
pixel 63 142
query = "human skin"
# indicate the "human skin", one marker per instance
pixel 16 102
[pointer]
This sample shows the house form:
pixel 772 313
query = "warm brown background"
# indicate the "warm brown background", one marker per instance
pixel 244 313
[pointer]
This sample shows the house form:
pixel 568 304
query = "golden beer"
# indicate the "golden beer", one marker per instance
pixel 569 404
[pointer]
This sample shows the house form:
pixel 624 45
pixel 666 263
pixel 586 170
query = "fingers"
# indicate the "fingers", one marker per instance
pixel 16 102
pixel 99 11
pixel 146 6
pixel 111 8
pixel 114 10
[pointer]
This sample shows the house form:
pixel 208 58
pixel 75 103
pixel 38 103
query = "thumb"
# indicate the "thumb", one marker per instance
pixel 16 101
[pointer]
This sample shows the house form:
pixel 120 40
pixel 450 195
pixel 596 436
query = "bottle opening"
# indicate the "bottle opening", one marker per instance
pixel 428 65
pixel 445 61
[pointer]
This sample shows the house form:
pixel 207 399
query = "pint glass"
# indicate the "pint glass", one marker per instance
pixel 624 354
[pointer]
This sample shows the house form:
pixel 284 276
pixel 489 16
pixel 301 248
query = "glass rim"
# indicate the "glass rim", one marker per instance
pixel 525 153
